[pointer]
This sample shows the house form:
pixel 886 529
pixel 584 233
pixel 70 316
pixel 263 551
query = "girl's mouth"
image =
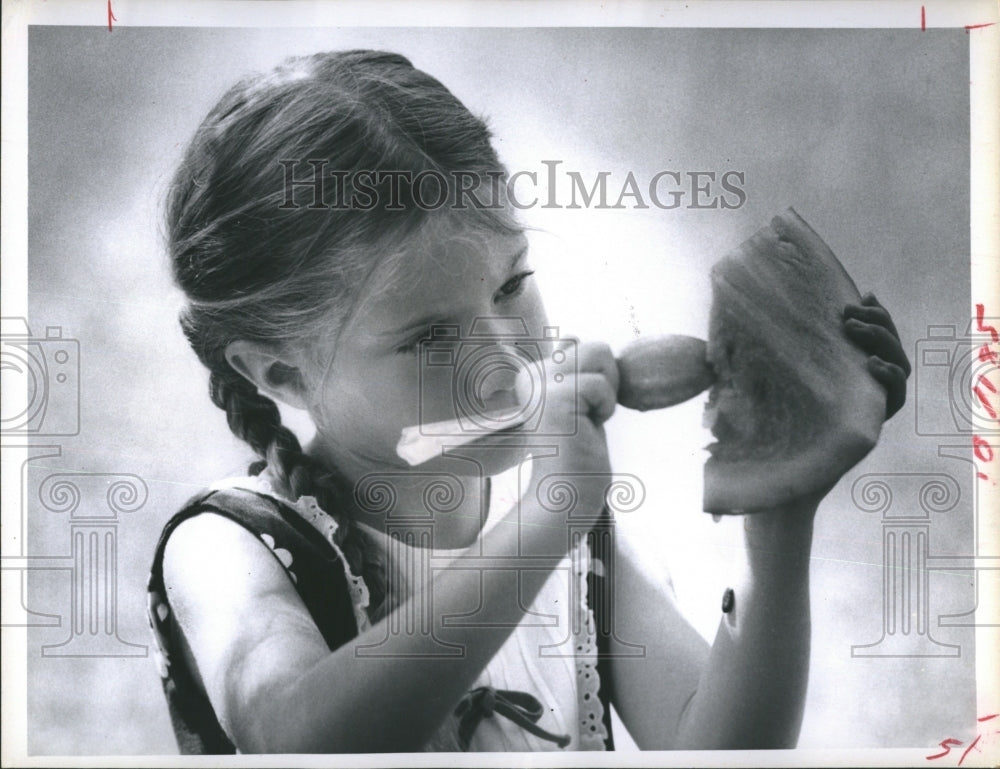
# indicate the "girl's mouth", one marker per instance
pixel 420 443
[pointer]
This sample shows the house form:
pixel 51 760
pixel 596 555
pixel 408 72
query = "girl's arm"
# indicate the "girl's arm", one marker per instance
pixel 748 691
pixel 272 681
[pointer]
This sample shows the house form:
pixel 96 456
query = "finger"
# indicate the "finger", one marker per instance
pixel 596 397
pixel 542 378
pixel 893 379
pixel 877 340
pixel 869 300
pixel 564 343
pixel 597 357
pixel 877 315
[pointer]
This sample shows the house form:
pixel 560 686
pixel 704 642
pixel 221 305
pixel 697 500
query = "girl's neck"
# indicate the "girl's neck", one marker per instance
pixel 454 502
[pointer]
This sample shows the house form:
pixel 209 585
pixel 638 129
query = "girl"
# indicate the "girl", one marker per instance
pixel 297 610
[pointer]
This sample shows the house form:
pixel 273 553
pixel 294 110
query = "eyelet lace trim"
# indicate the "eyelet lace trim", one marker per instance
pixel 325 524
pixel 588 683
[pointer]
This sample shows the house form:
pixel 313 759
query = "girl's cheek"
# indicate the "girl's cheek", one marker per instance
pixel 432 397
pixel 368 420
pixel 405 391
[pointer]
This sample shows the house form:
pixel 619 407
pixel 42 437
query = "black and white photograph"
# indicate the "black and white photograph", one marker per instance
pixel 418 384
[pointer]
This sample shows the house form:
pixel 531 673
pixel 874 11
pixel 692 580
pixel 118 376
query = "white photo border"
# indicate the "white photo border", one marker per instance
pixel 980 17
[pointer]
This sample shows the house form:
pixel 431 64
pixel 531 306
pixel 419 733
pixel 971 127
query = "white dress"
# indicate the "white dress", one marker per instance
pixel 551 654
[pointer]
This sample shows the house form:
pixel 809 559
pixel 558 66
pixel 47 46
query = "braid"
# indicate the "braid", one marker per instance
pixel 255 419
pixel 252 417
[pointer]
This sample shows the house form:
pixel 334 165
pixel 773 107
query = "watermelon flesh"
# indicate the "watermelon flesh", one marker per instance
pixel 793 406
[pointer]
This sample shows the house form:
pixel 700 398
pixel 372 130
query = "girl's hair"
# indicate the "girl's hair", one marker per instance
pixel 275 263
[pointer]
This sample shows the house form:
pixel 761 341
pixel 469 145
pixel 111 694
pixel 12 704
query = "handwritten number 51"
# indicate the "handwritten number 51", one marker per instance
pixel 950 743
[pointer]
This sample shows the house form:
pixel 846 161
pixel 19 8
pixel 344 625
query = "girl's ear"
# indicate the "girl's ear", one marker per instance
pixel 274 374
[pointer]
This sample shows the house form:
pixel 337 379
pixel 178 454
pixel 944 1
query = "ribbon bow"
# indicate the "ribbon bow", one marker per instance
pixel 520 707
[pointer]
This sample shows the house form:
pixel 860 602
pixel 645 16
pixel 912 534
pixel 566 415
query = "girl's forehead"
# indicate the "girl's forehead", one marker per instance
pixel 442 261
pixel 449 245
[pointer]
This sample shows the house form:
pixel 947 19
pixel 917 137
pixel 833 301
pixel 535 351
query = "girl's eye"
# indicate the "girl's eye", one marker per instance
pixel 423 337
pixel 515 285
pixel 511 288
pixel 410 345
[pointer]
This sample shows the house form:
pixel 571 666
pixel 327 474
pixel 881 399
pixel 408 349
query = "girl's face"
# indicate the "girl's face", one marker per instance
pixel 387 374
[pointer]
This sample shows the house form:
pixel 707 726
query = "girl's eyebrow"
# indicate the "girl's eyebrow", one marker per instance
pixel 426 321
pixel 517 257
pixel 441 318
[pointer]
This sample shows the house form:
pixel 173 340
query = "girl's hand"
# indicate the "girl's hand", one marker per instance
pixel 570 436
pixel 869 325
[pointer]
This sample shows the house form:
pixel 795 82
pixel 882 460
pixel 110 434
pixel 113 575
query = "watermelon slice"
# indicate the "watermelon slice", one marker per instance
pixel 793 406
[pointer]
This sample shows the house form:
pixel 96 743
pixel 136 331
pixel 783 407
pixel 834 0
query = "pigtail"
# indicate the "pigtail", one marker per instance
pixel 255 419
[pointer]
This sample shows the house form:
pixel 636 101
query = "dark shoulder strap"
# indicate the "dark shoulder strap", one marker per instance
pixel 600 593
pixel 316 568
pixel 312 564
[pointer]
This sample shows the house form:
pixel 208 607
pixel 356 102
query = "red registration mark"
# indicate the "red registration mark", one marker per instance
pixel 984 389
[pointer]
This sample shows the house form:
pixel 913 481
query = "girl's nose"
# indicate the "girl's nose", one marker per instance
pixel 493 372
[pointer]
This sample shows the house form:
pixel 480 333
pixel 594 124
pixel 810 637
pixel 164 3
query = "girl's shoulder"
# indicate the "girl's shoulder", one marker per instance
pixel 316 568
pixel 269 532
